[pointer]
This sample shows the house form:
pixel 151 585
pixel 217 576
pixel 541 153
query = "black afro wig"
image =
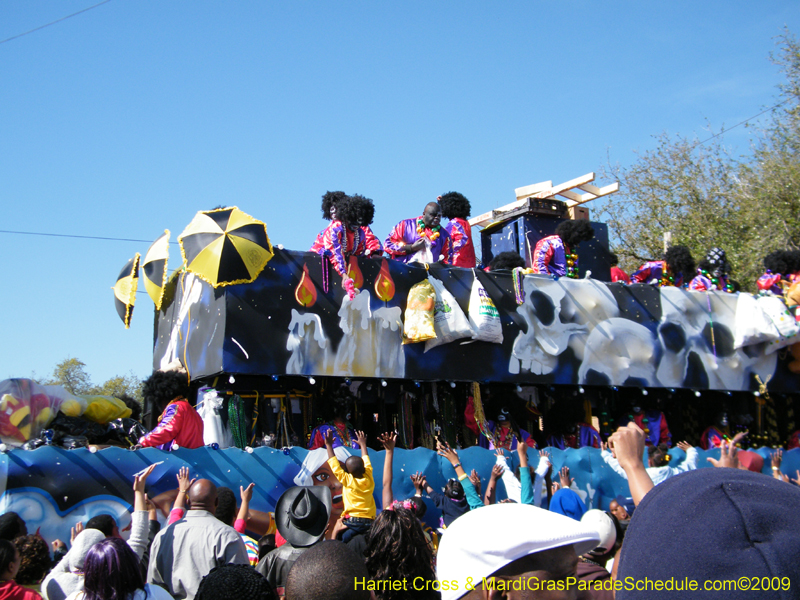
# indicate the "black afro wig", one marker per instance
pixel 575 232
pixel 355 210
pixel 679 261
pixel 454 206
pixel 776 262
pixel 162 387
pixel 329 200
pixel 793 260
pixel 505 261
pixel 784 262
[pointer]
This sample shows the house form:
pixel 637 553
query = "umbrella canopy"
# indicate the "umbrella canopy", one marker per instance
pixel 154 267
pixel 225 246
pixel 125 290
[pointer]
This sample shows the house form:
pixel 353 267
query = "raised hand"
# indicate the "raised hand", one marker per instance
pixel 246 494
pixel 388 439
pixel 329 438
pixel 184 483
pixel 728 456
pixel 564 478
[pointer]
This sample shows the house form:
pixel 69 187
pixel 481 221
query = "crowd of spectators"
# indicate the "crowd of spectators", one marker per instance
pixel 714 531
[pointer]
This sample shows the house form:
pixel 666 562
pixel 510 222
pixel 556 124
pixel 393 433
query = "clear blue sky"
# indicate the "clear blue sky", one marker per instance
pixel 127 119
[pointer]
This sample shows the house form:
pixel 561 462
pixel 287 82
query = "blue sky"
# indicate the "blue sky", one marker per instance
pixel 127 119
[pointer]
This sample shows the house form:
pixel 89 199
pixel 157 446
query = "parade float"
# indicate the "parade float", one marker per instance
pixel 264 334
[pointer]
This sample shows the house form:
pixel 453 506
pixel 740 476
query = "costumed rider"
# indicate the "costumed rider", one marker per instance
pixel 456 208
pixel 348 235
pixel 617 274
pixel 676 268
pixel 504 433
pixel 343 432
pixel 576 435
pixel 720 431
pixel 422 239
pixel 652 422
pixel 568 426
pixel 556 255
pixel 782 270
pixel 179 425
pixel 712 273
pixel 329 200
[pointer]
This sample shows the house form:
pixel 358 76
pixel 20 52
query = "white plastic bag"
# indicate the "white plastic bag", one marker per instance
pixel 483 315
pixel 449 321
pixel 753 326
pixel 209 405
pixel 424 255
pixel 783 321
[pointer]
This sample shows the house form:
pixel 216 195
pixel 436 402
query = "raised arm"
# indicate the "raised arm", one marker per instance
pixel 475 480
pixel 329 444
pixel 526 485
pixel 491 488
pixel 388 441
pixel 361 438
pixel 139 481
pixel 628 445
pixel 245 494
pixel 179 506
pixel 139 519
pixel 448 453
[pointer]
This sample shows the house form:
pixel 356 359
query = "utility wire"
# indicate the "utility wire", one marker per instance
pixel 779 104
pixel 83 237
pixel 19 35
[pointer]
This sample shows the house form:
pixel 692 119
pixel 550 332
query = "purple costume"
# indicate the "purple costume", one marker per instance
pixel 405 233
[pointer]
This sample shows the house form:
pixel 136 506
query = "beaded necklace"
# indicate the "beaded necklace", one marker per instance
pixel 519 292
pixel 720 283
pixel 356 241
pixel 344 434
pixel 572 265
pixel 504 440
pixel 431 233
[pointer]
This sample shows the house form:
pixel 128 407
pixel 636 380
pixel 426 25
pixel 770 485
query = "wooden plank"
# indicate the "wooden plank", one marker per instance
pixel 528 190
pixel 567 185
pixel 603 191
pixel 576 198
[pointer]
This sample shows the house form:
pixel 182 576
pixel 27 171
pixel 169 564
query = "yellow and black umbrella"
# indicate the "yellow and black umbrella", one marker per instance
pixel 154 267
pixel 125 290
pixel 225 246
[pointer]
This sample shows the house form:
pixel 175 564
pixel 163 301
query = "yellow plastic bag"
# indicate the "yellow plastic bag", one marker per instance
pixel 418 324
pixel 104 409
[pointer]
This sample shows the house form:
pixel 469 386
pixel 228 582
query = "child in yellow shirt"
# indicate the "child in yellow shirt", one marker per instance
pixel 358 484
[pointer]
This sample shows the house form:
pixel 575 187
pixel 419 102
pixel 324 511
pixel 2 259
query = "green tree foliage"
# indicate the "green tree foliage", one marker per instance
pixel 704 197
pixel 71 374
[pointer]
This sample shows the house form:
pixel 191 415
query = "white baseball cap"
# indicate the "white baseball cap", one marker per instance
pixel 600 521
pixel 485 540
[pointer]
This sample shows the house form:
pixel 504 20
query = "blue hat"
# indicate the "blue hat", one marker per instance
pixel 626 503
pixel 567 502
pixel 712 525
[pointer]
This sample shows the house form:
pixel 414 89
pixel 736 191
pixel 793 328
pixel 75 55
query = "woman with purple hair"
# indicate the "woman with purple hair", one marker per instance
pixel 111 572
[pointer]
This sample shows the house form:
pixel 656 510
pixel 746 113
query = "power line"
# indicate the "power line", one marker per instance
pixel 19 35
pixel 743 122
pixel 82 237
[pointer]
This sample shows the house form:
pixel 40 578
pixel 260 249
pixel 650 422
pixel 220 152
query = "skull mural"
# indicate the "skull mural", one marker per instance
pixel 697 341
pixel 619 352
pixel 537 349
